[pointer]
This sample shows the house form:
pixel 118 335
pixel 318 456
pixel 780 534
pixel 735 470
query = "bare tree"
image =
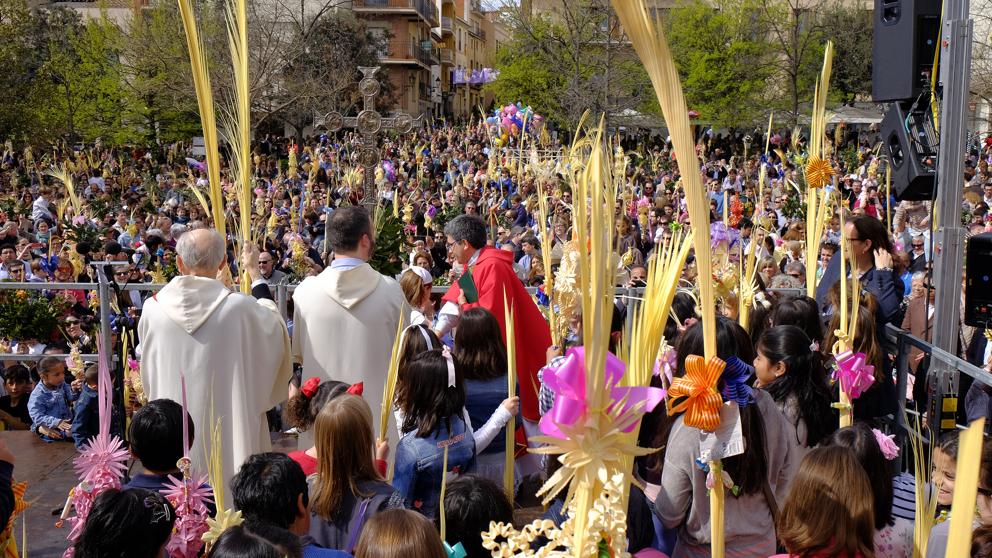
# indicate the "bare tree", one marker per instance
pixel 304 59
pixel 797 34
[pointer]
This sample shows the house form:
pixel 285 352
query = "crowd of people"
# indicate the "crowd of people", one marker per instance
pixel 469 221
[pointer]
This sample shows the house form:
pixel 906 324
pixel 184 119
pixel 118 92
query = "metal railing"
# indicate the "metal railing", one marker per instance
pixel 447 56
pixel 424 8
pixel 942 377
pixel 477 31
pixel 419 53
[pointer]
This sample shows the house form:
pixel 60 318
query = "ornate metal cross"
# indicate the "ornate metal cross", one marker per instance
pixel 368 123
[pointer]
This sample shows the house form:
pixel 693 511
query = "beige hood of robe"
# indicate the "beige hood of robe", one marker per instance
pixel 351 286
pixel 189 301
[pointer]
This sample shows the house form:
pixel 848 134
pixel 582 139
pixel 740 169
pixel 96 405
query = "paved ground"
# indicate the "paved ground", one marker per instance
pixel 48 470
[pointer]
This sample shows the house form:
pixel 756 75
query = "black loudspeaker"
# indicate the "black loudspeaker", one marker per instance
pixel 906 33
pixel 911 140
pixel 978 282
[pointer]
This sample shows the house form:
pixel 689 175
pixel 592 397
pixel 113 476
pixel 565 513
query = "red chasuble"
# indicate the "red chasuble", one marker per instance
pixel 493 272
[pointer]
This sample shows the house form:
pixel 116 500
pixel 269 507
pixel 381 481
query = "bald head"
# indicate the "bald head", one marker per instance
pixel 201 252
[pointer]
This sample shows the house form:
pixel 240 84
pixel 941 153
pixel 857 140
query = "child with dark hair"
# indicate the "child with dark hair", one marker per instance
pixel 982 521
pixel 760 475
pixel 945 462
pixel 256 541
pixel 799 311
pixel 417 338
pixel 86 414
pixel 470 504
pixel 482 357
pixel 302 410
pixel 14 406
pixel 156 437
pixel 130 523
pixel 431 402
pixel 790 368
pixel 50 405
pixel 270 489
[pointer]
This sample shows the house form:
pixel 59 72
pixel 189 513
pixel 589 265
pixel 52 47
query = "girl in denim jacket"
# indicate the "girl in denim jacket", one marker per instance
pixel 431 403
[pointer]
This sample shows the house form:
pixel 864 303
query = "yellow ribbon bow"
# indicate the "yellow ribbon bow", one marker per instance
pixel 700 400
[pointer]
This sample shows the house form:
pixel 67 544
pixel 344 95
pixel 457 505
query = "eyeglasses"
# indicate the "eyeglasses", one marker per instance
pixel 264 262
pixel 122 273
pixel 917 246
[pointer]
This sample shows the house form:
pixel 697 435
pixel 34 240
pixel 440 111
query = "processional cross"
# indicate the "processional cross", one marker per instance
pixel 368 123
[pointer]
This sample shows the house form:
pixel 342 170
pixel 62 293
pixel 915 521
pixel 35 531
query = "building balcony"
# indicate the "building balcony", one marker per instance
pixel 447 57
pixel 424 8
pixel 416 52
pixel 477 31
pixel 477 6
pixel 447 26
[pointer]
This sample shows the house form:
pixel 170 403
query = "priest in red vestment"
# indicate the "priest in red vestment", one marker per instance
pixel 492 273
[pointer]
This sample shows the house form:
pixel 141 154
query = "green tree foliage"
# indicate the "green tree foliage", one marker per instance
pixel 569 61
pixel 526 77
pixel 723 59
pixel 63 77
pixel 87 86
pixel 158 74
pixel 851 31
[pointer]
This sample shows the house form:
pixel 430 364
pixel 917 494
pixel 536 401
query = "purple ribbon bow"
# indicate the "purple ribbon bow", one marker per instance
pixel 853 374
pixel 735 377
pixel 568 383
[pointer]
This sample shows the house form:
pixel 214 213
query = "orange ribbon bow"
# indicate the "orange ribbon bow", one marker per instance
pixel 700 400
pixel 818 172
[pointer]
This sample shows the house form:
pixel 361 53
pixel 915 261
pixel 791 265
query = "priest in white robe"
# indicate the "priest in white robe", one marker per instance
pixel 344 320
pixel 233 350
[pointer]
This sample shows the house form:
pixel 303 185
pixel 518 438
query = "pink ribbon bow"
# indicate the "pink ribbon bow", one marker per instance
pixel 568 383
pixel 853 374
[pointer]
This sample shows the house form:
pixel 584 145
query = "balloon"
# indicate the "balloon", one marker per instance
pixel 507 122
pixel 491 120
pixel 505 137
pixel 512 109
pixel 498 142
pixel 514 129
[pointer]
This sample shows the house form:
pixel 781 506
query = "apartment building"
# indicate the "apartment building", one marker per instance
pixel 411 52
